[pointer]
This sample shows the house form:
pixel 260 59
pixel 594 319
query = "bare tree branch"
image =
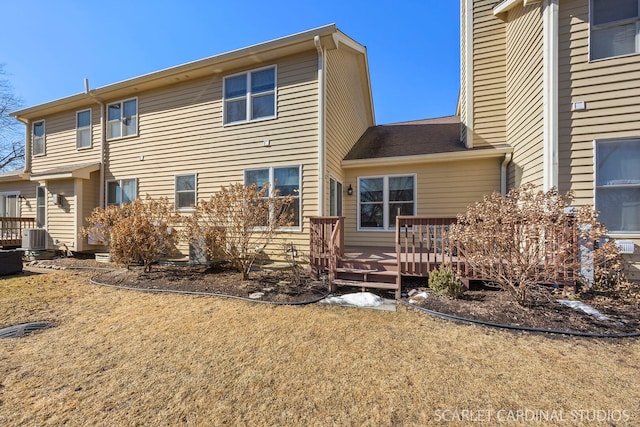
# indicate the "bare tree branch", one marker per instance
pixel 11 142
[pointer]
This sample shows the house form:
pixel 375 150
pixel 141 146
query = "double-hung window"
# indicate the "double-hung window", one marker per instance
pixel 83 129
pixel 618 185
pixel 122 119
pixel 185 197
pixel 250 96
pixel 281 181
pixel 38 138
pixel 615 28
pixel 382 198
pixel 121 191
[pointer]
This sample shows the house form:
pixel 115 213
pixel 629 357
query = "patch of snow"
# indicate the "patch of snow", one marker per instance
pixel 579 305
pixel 256 295
pixel 359 299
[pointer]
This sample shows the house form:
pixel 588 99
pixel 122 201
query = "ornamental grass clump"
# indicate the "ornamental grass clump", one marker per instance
pixel 445 282
pixel 526 238
pixel 137 233
pixel 238 222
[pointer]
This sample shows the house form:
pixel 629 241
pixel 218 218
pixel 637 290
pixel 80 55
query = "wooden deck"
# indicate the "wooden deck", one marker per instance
pixel 421 246
pixel 11 230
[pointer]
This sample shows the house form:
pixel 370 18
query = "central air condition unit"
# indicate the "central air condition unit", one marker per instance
pixel 34 239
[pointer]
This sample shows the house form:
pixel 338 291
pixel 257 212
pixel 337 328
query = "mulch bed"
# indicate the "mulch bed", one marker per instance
pixel 484 303
pixel 490 304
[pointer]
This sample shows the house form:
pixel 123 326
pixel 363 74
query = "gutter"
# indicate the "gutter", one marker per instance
pixel 321 123
pixel 428 158
pixel 103 138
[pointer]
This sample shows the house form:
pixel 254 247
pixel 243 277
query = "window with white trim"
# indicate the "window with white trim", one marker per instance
pixel 122 119
pixel 38 142
pixel 250 96
pixel 382 198
pixel 41 206
pixel 10 204
pixel 618 185
pixel 335 197
pixel 83 129
pixel 615 28
pixel 286 182
pixel 185 191
pixel 121 191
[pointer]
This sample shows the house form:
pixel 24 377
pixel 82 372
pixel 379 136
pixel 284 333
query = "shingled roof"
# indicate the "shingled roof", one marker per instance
pixel 420 137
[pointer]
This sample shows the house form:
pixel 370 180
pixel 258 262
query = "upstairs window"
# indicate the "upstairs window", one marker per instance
pixel 185 197
pixel 121 191
pixel 250 96
pixel 383 198
pixel 615 28
pixel 38 138
pixel 83 129
pixel 618 185
pixel 122 119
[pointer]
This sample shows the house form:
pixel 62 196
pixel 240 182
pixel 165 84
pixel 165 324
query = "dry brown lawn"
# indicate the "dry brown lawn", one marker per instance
pixel 120 357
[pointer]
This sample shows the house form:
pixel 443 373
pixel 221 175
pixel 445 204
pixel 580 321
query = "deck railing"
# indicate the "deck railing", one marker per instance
pixel 422 245
pixel 11 230
pixel 327 244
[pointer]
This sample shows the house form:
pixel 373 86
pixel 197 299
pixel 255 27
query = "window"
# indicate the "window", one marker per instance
pixel 41 206
pixel 83 129
pixel 122 119
pixel 286 182
pixel 9 205
pixel 250 96
pixel 185 197
pixel 618 185
pixel 615 28
pixel 38 139
pixel 121 191
pixel 381 199
pixel 335 197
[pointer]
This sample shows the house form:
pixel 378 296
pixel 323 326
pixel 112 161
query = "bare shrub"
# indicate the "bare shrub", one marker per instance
pixel 137 233
pixel 238 222
pixel 524 238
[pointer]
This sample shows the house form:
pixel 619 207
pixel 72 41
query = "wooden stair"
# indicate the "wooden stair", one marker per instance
pixel 366 273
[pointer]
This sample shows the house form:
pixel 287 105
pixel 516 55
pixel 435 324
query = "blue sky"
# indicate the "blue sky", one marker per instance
pixel 49 47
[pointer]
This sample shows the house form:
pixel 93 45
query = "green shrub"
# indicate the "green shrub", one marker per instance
pixel 445 282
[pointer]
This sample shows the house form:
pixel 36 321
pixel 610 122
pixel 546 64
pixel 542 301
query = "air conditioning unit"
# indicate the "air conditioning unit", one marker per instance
pixel 34 239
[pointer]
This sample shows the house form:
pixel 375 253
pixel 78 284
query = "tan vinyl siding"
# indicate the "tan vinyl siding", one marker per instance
pixel 181 131
pixel 462 96
pixel 443 189
pixel 489 76
pixel 609 87
pixel 60 222
pixel 347 115
pixel 90 200
pixel 60 138
pixel 26 189
pixel 525 94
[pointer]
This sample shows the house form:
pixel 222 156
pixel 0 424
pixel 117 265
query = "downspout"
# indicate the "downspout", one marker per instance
pixel 321 124
pixel 550 94
pixel 103 134
pixel 469 88
pixel 503 173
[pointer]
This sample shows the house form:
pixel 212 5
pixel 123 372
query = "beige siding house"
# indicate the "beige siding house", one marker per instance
pixel 286 110
pixel 557 80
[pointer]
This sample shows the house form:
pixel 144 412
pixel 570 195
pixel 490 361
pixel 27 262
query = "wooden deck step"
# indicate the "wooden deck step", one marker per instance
pixel 363 271
pixel 361 284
